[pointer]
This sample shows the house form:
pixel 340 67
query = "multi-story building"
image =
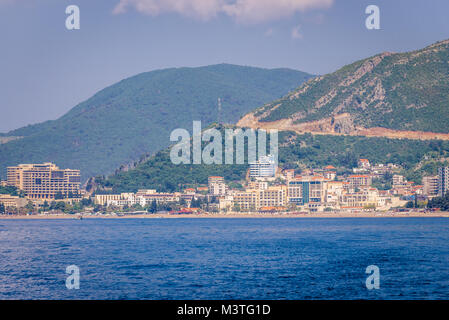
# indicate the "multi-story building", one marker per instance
pixel 304 190
pixel 255 199
pixel 142 197
pixel 361 199
pixel 12 201
pixel 334 189
pixel 430 186
pixel 443 181
pixel 44 181
pixel 218 189
pixel 265 167
pixel 226 203
pixel 275 196
pixel 289 174
pixel 246 200
pixel 105 199
pixel 399 181
pixel 258 185
pixel 359 180
pixel 217 186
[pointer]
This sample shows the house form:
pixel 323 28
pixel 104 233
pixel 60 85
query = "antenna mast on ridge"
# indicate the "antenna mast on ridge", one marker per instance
pixel 219 110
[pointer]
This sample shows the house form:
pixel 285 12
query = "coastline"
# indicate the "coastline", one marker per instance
pixel 232 216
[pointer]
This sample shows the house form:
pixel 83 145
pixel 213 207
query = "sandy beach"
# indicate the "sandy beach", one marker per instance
pixel 233 215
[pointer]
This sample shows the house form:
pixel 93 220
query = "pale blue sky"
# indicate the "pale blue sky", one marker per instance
pixel 45 69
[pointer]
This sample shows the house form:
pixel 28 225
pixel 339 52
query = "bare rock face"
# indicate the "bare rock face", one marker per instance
pixel 399 92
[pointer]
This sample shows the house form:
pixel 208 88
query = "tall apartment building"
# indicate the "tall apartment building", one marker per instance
pixel 430 186
pixel 443 181
pixel 44 181
pixel 217 186
pixel 275 196
pixel 304 190
pixel 265 167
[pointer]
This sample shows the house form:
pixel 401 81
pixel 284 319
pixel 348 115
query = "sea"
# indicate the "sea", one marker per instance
pixel 225 258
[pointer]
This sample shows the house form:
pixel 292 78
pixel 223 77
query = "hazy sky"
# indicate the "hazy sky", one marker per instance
pixel 46 69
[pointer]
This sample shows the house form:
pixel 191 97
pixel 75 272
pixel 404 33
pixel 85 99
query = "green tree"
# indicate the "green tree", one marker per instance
pixel 30 206
pixel 439 202
pixel 60 205
pixel 45 205
pixel 86 202
pixel 137 207
pixel 153 207
pixel 182 202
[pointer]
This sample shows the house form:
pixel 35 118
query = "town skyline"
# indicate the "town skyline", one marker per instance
pixel 267 189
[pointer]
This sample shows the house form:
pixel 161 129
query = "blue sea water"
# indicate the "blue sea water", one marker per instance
pixel 225 258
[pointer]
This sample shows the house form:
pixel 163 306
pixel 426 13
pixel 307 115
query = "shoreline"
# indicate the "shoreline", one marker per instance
pixel 230 216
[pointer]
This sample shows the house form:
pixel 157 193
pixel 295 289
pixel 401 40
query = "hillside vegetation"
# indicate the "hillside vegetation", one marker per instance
pixel 399 91
pixel 296 151
pixel 135 116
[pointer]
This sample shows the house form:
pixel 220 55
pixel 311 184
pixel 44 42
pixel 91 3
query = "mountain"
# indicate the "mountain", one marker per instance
pixel 135 116
pixel 397 95
pixel 393 107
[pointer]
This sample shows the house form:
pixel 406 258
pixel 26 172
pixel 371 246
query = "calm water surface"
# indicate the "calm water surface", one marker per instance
pixel 225 258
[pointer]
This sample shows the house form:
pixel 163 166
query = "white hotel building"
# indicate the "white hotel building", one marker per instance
pixel 265 167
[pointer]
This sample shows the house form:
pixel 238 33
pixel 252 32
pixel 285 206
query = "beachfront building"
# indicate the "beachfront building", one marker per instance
pixel 303 191
pixel 141 197
pixel 334 190
pixel 12 201
pixel 255 199
pixel 366 197
pixel 443 181
pixel 430 186
pixel 147 196
pixel 44 181
pixel 245 200
pixel 106 199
